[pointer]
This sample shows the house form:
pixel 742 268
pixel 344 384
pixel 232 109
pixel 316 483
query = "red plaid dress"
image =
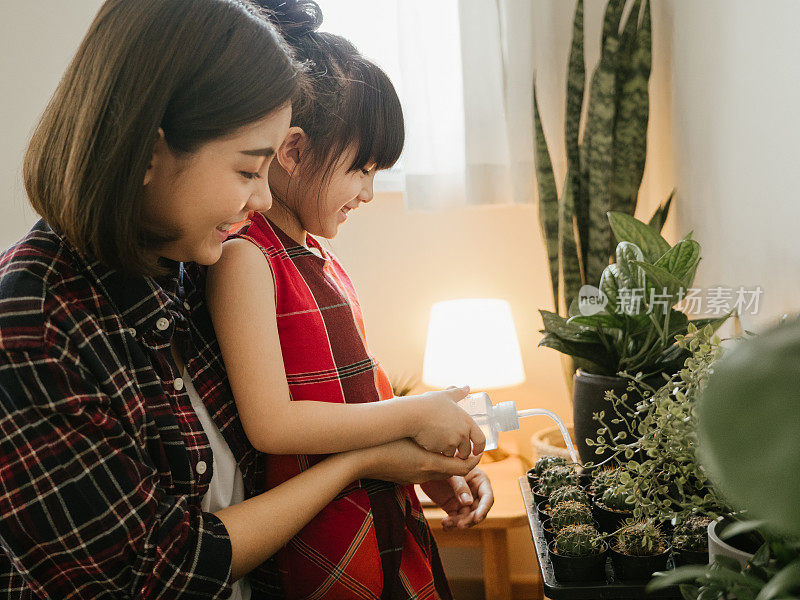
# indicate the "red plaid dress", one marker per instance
pixel 372 541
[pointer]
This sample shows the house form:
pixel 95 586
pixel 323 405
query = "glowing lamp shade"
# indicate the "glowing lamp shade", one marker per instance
pixel 472 342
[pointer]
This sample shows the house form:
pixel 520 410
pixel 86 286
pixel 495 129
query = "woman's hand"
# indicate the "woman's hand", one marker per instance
pixel 405 462
pixel 466 500
pixel 440 425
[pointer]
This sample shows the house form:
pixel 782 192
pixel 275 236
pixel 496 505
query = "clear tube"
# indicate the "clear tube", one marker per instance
pixel 530 412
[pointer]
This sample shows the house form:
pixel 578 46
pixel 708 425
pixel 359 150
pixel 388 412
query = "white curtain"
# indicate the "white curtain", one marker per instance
pixel 467 68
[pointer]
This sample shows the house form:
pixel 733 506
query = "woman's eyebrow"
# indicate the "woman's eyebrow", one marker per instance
pixel 266 152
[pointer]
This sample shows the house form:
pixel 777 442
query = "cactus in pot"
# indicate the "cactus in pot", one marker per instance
pixel 579 540
pixel 571 513
pixel 603 479
pixel 556 477
pixel 615 499
pixel 692 534
pixel 640 538
pixel 545 462
pixel 568 493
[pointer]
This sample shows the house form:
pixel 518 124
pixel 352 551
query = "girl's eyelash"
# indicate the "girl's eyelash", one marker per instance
pixel 249 175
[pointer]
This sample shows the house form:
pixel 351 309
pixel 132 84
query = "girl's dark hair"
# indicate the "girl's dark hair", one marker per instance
pixel 199 69
pixel 347 100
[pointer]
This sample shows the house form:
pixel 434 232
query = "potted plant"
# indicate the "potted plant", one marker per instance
pixel 571 513
pixel 612 509
pixel 666 479
pixel 554 478
pixel 628 324
pixel 602 479
pixel 690 541
pixel 578 553
pixel 639 550
pixel 569 493
pixel 541 465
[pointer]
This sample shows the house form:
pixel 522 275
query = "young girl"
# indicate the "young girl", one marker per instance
pixel 303 378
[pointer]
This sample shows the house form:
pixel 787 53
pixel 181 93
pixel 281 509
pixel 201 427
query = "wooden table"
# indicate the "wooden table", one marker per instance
pixel 492 534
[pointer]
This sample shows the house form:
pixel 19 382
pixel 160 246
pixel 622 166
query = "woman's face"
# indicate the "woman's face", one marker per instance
pixel 345 192
pixel 202 195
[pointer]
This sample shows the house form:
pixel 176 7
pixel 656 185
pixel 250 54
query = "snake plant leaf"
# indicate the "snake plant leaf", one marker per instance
pixel 573 276
pixel 630 134
pixel 611 20
pixel 600 128
pixel 609 285
pixel 548 200
pixel 631 277
pixel 628 229
pixel 681 261
pixel 660 215
pixel 576 81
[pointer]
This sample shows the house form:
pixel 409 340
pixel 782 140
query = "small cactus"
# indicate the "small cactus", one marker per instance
pixel 614 499
pixel 604 479
pixel 556 477
pixel 571 513
pixel 566 493
pixel 579 540
pixel 545 462
pixel 692 534
pixel 640 538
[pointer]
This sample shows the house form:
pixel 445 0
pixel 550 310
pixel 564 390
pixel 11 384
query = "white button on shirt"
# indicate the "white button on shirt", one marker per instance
pixel 178 384
pixel 162 324
pixel 201 467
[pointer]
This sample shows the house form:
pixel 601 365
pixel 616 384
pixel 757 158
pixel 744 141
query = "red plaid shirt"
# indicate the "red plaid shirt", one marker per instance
pixel 103 461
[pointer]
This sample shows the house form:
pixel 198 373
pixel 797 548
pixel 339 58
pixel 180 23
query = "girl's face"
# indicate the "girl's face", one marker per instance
pixel 345 192
pixel 202 196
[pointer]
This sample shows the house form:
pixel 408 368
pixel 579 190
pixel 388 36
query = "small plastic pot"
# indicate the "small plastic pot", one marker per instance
pixel 542 508
pixel 533 479
pixel 583 569
pixel 549 532
pixel 638 568
pixel 608 520
pixel 689 557
pixel 539 497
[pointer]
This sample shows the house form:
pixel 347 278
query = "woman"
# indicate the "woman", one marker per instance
pixel 104 460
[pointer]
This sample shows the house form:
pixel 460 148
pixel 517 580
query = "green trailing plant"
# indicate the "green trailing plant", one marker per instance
pixel 692 534
pixel 633 325
pixel 640 538
pixel 579 540
pixel 570 513
pixel 660 434
pixel 616 498
pixel 605 166
pixel 568 493
pixel 556 477
pixel 545 462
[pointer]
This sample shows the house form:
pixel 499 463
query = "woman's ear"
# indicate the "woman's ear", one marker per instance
pixel 160 150
pixel 291 151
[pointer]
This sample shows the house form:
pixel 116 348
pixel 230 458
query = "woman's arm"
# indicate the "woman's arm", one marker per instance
pixel 259 526
pixel 240 293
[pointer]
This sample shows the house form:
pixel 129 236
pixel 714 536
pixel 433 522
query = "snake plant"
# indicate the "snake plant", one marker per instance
pixel 634 324
pixel 604 169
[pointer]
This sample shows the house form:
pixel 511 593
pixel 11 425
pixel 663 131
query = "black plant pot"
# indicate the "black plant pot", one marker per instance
pixel 533 479
pixel 637 568
pixel 608 521
pixel 583 569
pixel 539 497
pixel 542 509
pixel 588 397
pixel 549 532
pixel 689 557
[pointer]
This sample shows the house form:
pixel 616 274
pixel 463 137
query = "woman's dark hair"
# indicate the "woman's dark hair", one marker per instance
pixel 348 100
pixel 199 69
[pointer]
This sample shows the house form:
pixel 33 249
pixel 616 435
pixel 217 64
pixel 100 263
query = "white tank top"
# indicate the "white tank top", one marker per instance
pixel 227 486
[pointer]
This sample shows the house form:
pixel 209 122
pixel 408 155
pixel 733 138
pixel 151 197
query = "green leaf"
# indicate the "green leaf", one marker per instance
pixel 628 229
pixel 715 322
pixel 597 354
pixel 565 330
pixel 548 200
pixel 663 580
pixel 681 261
pixel 576 81
pixel 660 215
pixel 609 285
pixel 629 256
pixel 570 265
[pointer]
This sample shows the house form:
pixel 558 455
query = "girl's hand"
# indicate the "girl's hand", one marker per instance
pixel 405 462
pixel 440 425
pixel 465 500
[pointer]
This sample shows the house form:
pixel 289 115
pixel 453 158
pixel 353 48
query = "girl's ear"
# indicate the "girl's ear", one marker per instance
pixel 291 151
pixel 160 148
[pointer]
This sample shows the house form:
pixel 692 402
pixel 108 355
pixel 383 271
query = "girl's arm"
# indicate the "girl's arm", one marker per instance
pixel 260 526
pixel 241 299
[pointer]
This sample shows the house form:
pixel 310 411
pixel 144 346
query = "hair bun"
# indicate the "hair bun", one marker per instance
pixel 294 18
